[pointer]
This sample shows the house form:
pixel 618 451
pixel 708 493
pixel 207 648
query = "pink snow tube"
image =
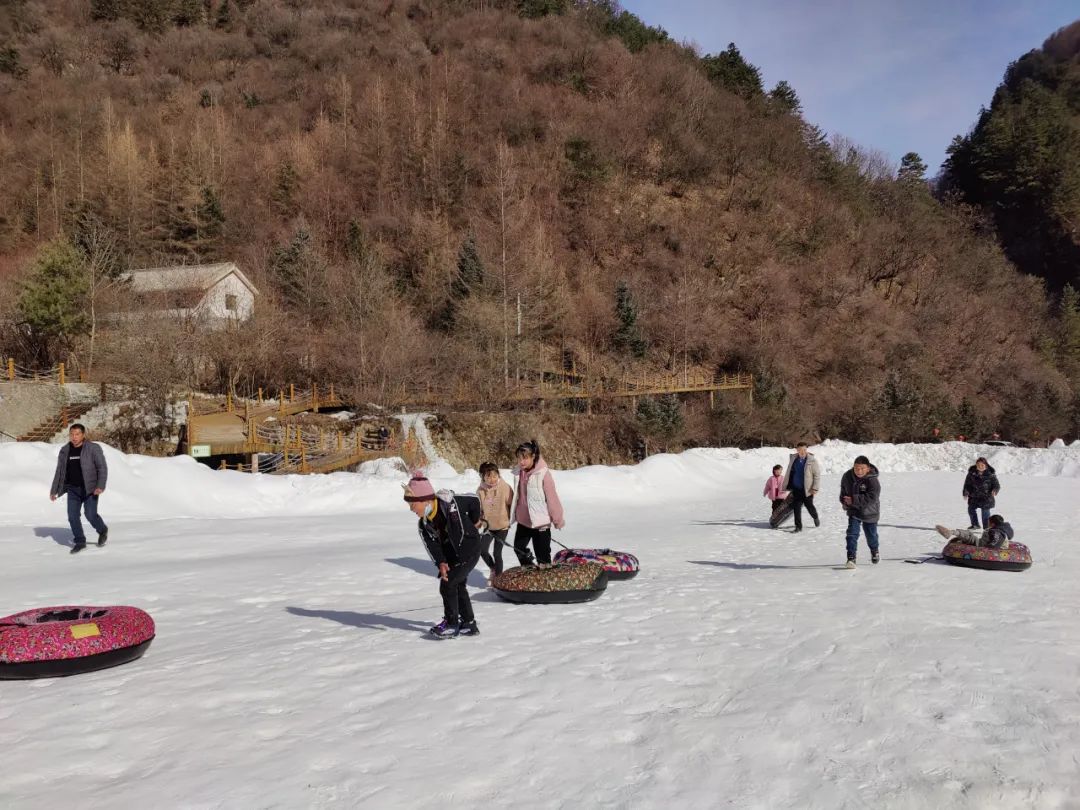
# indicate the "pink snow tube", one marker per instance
pixel 618 564
pixel 55 641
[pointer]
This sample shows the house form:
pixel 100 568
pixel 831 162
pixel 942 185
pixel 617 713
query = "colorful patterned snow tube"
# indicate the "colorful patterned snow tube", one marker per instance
pixel 1016 557
pixel 55 641
pixel 618 564
pixel 561 584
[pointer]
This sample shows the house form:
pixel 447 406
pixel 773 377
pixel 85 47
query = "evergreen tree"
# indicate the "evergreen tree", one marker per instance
pixel 728 68
pixel 210 217
pixel 628 337
pixel 541 8
pixel 10 63
pixel 634 33
pixel 286 182
pixel 188 12
pixel 1069 331
pixel 1021 164
pixel 902 407
pixel 660 418
pixel 468 278
pixel 912 172
pixel 967 419
pixel 299 274
pixel 784 99
pixel 107 9
pixel 224 15
pixel 52 299
pixel 470 270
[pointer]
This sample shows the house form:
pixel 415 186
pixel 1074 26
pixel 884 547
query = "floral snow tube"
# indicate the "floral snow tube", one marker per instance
pixel 560 584
pixel 55 641
pixel 618 564
pixel 1016 557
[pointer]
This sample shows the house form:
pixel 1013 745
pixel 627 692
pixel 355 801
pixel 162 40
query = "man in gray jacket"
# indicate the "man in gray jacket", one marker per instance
pixel 802 479
pixel 81 472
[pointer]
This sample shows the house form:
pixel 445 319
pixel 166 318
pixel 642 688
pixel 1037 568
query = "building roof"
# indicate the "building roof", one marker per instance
pixel 186 277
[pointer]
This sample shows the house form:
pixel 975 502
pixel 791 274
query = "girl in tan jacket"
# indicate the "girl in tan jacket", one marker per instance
pixel 496 500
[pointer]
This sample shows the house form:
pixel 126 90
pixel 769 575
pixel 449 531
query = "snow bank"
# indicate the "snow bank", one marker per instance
pixel 141 487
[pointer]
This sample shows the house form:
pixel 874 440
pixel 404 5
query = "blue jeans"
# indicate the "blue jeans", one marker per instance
pixel 869 529
pixel 973 515
pixel 78 501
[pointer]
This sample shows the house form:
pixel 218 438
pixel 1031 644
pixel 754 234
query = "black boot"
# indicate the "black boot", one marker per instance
pixel 75 549
pixel 103 538
pixel 470 629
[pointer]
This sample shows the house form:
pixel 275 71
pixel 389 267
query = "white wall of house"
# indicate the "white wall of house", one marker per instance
pixel 229 298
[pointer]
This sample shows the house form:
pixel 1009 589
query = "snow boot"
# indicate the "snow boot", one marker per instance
pixel 973 526
pixel 874 558
pixel 817 523
pixel 850 563
pixel 103 538
pixel 797 530
pixel 75 549
pixel 946 533
pixel 445 629
pixel 470 629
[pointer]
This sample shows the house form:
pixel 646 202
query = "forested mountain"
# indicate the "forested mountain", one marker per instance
pixel 399 177
pixel 1021 161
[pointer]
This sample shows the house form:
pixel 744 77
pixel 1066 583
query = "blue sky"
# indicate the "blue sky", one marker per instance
pixel 896 76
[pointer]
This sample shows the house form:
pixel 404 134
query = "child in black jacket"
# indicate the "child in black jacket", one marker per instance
pixel 448 530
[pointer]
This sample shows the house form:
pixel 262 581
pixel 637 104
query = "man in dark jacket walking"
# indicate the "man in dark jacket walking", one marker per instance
pixel 860 495
pixel 980 488
pixel 448 530
pixel 81 472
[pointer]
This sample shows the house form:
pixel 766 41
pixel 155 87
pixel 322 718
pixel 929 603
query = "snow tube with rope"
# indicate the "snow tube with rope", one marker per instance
pixel 560 584
pixel 618 564
pixel 56 641
pixel 1017 557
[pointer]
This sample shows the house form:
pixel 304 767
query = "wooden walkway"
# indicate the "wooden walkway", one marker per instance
pixel 561 385
pixel 260 425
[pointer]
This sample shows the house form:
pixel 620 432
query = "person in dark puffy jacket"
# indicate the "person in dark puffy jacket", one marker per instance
pixel 860 495
pixel 448 530
pixel 997 534
pixel 980 488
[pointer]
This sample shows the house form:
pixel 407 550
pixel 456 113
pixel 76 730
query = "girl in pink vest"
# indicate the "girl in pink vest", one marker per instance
pixel 537 506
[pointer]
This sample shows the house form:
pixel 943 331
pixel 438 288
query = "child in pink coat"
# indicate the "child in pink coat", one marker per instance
pixel 774 487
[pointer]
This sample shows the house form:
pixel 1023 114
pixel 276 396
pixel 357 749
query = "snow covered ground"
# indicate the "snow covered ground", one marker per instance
pixel 291 667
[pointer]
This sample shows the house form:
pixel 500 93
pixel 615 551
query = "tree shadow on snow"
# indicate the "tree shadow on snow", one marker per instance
pixel 62 537
pixel 367 621
pixel 753 524
pixel 427 567
pixel 756 566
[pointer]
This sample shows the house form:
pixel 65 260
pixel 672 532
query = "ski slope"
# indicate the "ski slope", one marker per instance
pixel 739 669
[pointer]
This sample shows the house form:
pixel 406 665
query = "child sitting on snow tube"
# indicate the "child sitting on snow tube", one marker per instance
pixel 992 548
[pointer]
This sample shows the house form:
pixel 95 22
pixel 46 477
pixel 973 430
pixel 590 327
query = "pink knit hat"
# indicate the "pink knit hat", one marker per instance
pixel 419 489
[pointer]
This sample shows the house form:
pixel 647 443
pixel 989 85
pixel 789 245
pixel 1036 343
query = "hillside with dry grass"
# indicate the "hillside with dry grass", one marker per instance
pixel 407 182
